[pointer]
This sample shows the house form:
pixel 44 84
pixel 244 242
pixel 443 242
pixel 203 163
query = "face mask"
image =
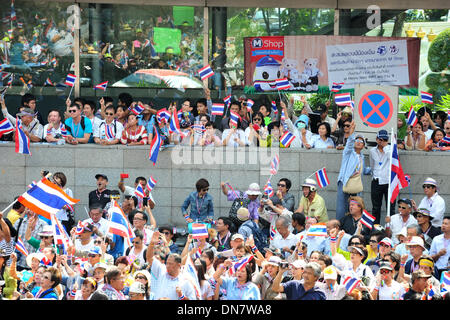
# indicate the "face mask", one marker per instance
pixel 301 125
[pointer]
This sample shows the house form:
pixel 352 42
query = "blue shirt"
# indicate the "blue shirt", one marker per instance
pixel 234 291
pixel 118 247
pixel 350 161
pixel 148 124
pixel 295 291
pixel 77 130
pixel 201 209
pixel 317 244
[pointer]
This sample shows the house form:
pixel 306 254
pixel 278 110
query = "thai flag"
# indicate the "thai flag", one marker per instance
pixel 102 86
pixel 63 129
pixel 154 146
pixel 227 99
pixel 31 185
pixel 217 109
pixel 250 104
pixel 10 81
pixel 46 262
pixel 352 105
pixel 139 191
pixel 20 246
pixel 21 139
pixel 274 107
pixel 60 235
pixel 54 61
pixel 412 118
pixel 240 264
pixel 287 138
pixel 322 178
pixel 234 118
pixel 146 43
pixel 70 80
pixel 343 99
pixel 180 114
pixel 350 283
pixel 273 232
pixel 367 219
pixel 446 278
pixel 119 224
pixel 268 189
pixel 151 184
pixel 198 128
pixel 48 82
pixel 336 86
pixel 205 72
pixel 174 124
pixel 5 75
pixel 13 11
pixel 45 198
pixel 274 165
pixel 3 92
pixel 426 97
pixel 397 180
pixel 198 254
pixel 163 114
pixel 430 294
pixel 138 108
pixel 44 62
pixel 49 130
pixel 408 179
pixel 317 230
pixel 199 231
pixel 80 227
pixel 109 132
pixel 282 84
pixel 5 127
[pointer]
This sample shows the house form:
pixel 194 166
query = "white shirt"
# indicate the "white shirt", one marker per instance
pixel 280 242
pixel 439 243
pixel 164 285
pixel 436 206
pixel 102 225
pixel 62 214
pixel 428 134
pixel 346 268
pixel 99 129
pixel 379 162
pixel 394 292
pixel 81 247
pixel 318 143
pixel 397 225
pixel 238 134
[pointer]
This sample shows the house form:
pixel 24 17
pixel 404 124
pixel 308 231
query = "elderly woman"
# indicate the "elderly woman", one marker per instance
pixel 239 287
pixel 50 279
pixel 88 287
pixel 264 278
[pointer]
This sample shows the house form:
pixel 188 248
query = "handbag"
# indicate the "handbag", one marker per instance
pixel 354 184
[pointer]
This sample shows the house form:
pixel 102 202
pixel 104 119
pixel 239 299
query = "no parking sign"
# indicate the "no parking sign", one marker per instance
pixel 376 108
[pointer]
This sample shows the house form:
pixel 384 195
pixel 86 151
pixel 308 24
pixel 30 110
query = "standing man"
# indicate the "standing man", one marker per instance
pixel 311 203
pixel 101 195
pixel 379 164
pixel 432 201
pixel 440 247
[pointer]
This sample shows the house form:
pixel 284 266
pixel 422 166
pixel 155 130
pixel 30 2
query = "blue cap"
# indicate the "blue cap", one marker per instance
pixel 95 250
pixel 383 134
pixel 303 118
pixel 267 61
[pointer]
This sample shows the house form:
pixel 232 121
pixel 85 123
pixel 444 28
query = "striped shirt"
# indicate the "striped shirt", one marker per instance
pixel 137 135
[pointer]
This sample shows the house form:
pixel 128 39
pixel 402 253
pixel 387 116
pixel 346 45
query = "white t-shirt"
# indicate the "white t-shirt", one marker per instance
pixel 79 246
pixel 99 129
pixel 393 292
pixel 238 134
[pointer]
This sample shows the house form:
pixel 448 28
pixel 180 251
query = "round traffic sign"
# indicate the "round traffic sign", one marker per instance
pixel 375 109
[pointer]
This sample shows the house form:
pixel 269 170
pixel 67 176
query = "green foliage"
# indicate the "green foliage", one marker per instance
pixel 318 98
pixel 407 101
pixel 439 51
pixel 444 105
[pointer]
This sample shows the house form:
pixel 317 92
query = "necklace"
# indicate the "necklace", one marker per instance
pixel 222 244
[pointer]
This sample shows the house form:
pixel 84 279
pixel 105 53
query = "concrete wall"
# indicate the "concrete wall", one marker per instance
pixel 178 169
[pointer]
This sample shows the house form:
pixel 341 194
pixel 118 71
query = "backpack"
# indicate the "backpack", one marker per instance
pixel 259 237
pixel 237 203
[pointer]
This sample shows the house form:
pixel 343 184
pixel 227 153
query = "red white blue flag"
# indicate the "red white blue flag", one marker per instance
pixel 274 107
pixel 397 180
pixel 22 141
pixel 60 235
pixel 322 178
pixel 139 191
pixel 101 86
pixel 240 264
pixel 268 189
pixel 5 127
pixel 287 138
pixel 80 227
pixel 367 219
pixel 446 278
pixel 138 108
pixel 250 104
pixel 227 99
pixel 426 97
pixel 217 109
pixel 63 129
pixel 205 72
pixel 119 224
pixel 274 165
pixel 199 231
pixel 336 86
pixel 155 146
pixel 317 230
pixel 350 283
pixel 48 82
pixel 20 246
pixel 70 80
pixel 412 118
pixel 234 118
pixel 282 84
pixel 273 232
pixel 151 182
pixel 109 132
pixel 343 99
pixel 163 114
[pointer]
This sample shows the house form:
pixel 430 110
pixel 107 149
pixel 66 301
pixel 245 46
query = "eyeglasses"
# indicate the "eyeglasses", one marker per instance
pixel 109 114
pixel 401 207
pixel 346 125
pixel 428 186
pixel 281 185
pixel 205 189
pixel 73 110
pixel 373 241
pixel 355 243
pixel 92 255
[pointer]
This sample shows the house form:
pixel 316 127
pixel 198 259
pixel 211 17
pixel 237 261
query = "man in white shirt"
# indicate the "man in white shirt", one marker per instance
pixel 96 219
pixel 432 201
pixel 397 222
pixel 284 240
pixel 379 164
pixel 108 131
pixel 440 247
pixel 129 191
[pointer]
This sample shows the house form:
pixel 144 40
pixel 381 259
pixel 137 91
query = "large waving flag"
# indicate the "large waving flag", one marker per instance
pixel 397 180
pixel 101 86
pixel 22 141
pixel 317 230
pixel 20 246
pixel 5 127
pixel 322 178
pixel 367 219
pixel 205 72
pixel 155 146
pixel 287 138
pixel 412 118
pixel 60 235
pixel 217 109
pixel 350 283
pixel 426 97
pixel 119 224
pixel 240 264
pixel 151 182
pixel 199 231
pixel 46 198
pixel 189 273
pixel 275 165
pixel 336 86
pixel 174 125
pixel 343 99
pixel 70 80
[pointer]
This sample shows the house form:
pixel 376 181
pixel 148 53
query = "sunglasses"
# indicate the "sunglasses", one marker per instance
pixel 347 125
pixel 72 111
pixel 140 277
pixel 373 241
pixel 401 207
pixel 281 185
pixel 355 243
pixel 428 186
pixel 109 114
pixel 384 271
pixel 45 237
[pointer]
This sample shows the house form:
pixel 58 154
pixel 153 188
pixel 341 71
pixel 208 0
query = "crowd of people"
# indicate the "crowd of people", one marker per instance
pixel 265 248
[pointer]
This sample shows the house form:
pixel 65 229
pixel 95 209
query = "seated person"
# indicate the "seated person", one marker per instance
pixel 108 131
pixel 78 127
pixel 55 130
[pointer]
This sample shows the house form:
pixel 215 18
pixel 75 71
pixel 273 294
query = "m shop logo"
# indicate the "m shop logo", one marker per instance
pixel 257 43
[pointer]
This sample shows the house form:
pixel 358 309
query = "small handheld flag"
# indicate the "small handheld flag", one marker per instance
pixel 139 191
pixel 151 184
pixel 273 232
pixel 5 127
pixel 250 104
pixel 101 86
pixel 22 141
pixel 282 84
pixel 234 118
pixel 20 246
pixel 240 264
pixel 412 118
pixel 343 99
pixel 268 189
pixel 155 146
pixel 350 284
pixel 274 165
pixel 199 231
pixel 205 72
pixel 70 80
pixel 48 82
pixel 367 219
pixel 138 108
pixel 317 230
pixel 426 97
pixel 287 138
pixel 227 99
pixel 217 109
pixel 336 86
pixel 322 178
pixel 274 107
pixel 397 179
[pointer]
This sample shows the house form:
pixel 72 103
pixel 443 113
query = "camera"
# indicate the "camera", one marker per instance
pixel 284 264
pixel 145 201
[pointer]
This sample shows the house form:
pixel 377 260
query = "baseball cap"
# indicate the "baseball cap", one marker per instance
pixel 137 287
pixel 387 241
pixel 416 241
pixel 321 108
pixel 237 236
pixel 383 134
pixel 330 273
pixel 274 260
pixel 419 274
pixel 424 212
pixel 253 190
pixel 299 263
pixel 99 265
pixel 405 201
pixel 95 250
pixel 26 112
pixel 385 265
pixel 101 175
pixel 360 136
